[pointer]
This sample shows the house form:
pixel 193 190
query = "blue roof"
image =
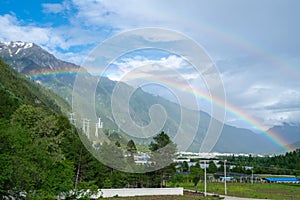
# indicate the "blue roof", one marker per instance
pixel 288 179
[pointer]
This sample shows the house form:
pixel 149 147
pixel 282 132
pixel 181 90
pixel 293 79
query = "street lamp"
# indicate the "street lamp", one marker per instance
pixel 205 178
pixel 225 177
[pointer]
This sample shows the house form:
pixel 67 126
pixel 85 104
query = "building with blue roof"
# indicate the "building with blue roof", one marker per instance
pixel 283 180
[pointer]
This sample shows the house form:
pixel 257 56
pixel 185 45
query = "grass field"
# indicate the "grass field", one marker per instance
pixel 256 190
pixel 186 196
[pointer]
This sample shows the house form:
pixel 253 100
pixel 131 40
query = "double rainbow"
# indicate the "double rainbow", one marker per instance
pixel 271 135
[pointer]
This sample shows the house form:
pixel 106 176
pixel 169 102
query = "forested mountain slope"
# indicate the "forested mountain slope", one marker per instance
pixel 41 154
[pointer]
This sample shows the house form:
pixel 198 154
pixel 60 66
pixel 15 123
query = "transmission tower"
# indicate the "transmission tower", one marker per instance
pixel 99 124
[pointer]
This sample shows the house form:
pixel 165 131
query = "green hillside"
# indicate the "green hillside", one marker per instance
pixel 16 89
pixel 31 131
pixel 41 154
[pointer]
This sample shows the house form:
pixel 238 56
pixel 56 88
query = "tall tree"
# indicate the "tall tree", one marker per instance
pixel 184 167
pixel 163 152
pixel 195 173
pixel 160 141
pixel 212 168
pixel 131 148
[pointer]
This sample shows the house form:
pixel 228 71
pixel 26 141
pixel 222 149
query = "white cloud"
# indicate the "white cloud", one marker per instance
pixel 57 41
pixel 174 63
pixel 261 90
pixel 119 14
pixel 253 85
pixel 12 30
pixel 53 8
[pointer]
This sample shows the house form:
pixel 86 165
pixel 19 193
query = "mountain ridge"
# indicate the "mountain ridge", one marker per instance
pixel 289 132
pixel 31 60
pixel 232 139
pixel 26 57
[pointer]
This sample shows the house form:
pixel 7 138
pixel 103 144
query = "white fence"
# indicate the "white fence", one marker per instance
pixel 129 192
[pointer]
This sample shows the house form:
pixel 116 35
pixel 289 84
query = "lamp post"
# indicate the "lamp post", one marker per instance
pixel 225 192
pixel 205 178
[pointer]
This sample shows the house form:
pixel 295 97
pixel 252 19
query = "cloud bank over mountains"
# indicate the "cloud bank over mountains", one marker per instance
pixel 254 44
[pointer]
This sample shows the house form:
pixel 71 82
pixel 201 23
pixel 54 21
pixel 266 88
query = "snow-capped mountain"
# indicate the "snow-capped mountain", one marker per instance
pixel 28 58
pixel 41 66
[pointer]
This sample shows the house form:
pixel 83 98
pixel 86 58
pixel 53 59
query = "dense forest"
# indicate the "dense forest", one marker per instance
pixel 285 164
pixel 288 164
pixel 42 156
pixel 41 153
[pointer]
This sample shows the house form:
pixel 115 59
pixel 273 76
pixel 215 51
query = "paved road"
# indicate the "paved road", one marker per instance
pixel 237 198
pixel 225 197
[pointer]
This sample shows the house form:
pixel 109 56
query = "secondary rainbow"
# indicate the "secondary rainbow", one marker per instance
pixel 271 135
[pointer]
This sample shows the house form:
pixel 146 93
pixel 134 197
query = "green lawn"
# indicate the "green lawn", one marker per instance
pixel 256 190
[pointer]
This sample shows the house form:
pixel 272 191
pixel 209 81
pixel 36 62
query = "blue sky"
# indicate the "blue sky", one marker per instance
pixel 255 44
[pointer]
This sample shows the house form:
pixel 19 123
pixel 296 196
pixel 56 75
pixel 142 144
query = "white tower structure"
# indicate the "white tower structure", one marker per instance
pixel 99 124
pixel 96 132
pixel 83 125
pixel 88 128
pixel 72 120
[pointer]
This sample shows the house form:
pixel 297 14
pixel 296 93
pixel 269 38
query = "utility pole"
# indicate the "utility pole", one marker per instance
pixel 225 192
pixel 205 178
pixel 252 175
